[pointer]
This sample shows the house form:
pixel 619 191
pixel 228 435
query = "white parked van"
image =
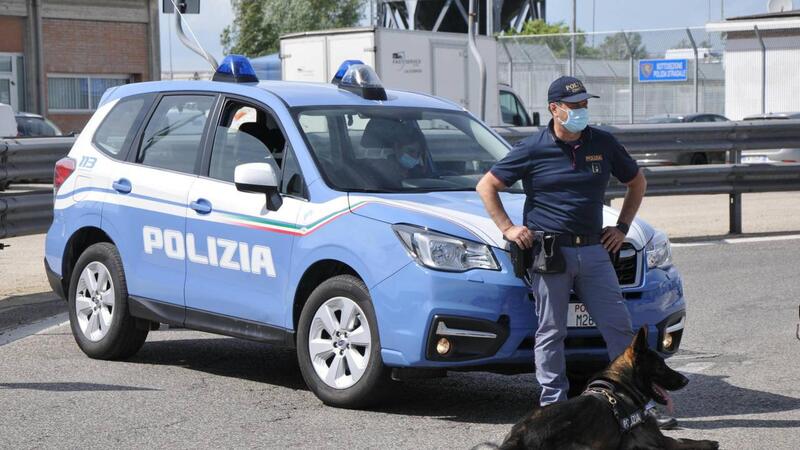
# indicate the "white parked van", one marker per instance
pixel 428 62
pixel 8 124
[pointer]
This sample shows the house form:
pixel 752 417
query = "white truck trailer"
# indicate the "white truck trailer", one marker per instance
pixel 431 62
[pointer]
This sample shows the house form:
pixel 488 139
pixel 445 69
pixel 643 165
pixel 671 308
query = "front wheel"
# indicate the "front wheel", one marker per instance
pixel 338 349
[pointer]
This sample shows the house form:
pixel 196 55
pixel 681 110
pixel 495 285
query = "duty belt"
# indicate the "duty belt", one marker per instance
pixel 577 240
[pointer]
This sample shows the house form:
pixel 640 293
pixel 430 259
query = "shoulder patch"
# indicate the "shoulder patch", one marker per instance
pixel 594 157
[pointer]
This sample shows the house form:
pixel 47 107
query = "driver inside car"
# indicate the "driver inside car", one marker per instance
pixel 409 154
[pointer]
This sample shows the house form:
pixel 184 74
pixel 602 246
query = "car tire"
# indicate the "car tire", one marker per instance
pixel 98 306
pixel 339 314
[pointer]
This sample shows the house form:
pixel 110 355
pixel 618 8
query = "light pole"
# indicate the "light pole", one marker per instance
pixel 572 41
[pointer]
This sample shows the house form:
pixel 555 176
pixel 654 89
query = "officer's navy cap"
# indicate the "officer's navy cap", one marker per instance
pixel 567 89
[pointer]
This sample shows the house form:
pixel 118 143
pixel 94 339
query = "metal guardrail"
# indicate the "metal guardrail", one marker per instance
pixel 24 213
pixel 28 160
pixel 691 137
pixel 715 179
pixel 31 160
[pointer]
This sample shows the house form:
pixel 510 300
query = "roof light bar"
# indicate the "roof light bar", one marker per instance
pixel 360 79
pixel 235 69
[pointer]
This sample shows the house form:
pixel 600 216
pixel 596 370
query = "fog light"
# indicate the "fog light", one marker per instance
pixel 667 342
pixel 443 346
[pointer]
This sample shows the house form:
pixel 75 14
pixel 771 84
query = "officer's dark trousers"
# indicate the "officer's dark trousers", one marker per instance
pixel 590 273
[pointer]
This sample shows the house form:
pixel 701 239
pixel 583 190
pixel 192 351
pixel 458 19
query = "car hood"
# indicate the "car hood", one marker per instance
pixel 462 214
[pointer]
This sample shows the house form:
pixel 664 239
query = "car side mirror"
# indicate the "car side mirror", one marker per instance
pixel 536 120
pixel 259 177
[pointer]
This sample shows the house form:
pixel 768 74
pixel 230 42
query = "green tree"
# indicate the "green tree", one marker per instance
pixel 258 24
pixel 559 45
pixel 614 46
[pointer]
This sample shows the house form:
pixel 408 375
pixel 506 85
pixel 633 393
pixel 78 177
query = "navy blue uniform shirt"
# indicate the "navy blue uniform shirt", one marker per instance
pixel 565 183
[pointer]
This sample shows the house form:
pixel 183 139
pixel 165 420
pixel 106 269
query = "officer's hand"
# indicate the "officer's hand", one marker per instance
pixel 521 235
pixel 612 239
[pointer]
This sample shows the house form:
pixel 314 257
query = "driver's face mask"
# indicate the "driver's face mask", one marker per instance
pixel 406 159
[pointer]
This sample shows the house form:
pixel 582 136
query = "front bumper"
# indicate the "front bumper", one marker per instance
pixel 497 306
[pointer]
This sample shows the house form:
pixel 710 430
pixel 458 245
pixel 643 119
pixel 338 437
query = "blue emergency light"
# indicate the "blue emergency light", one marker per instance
pixel 235 69
pixel 355 76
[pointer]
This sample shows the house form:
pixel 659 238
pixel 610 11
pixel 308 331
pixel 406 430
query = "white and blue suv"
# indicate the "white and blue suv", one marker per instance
pixel 338 219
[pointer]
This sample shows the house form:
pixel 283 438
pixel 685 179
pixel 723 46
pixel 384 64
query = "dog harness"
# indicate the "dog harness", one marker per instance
pixel 625 409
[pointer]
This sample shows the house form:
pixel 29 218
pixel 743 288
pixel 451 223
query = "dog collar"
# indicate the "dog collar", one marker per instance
pixel 627 414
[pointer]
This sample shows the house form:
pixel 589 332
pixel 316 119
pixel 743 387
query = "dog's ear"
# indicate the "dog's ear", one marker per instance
pixel 640 341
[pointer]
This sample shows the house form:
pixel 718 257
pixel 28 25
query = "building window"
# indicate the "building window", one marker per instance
pixel 79 92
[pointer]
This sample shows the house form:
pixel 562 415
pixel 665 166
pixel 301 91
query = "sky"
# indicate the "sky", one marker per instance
pixel 609 15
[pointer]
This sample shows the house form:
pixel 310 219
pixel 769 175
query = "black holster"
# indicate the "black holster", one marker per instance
pixel 521 260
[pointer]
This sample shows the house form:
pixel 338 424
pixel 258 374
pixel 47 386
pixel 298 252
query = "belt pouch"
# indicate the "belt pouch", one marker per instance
pixel 547 255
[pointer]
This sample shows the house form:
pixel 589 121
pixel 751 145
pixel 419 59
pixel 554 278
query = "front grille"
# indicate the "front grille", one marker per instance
pixel 626 267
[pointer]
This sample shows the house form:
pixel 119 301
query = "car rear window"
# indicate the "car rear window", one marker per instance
pixel 117 130
pixel 174 133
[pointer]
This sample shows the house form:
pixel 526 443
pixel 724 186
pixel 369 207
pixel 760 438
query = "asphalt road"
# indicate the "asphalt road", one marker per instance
pixel 194 390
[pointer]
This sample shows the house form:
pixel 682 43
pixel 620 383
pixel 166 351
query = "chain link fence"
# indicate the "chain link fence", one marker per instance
pixel 620 67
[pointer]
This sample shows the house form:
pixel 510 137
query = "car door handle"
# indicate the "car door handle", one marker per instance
pixel 201 206
pixel 123 186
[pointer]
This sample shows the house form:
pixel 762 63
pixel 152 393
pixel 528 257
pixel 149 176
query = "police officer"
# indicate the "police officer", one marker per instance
pixel 564 170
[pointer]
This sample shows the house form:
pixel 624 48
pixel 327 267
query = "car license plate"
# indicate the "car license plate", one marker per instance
pixel 578 316
pixel 755 159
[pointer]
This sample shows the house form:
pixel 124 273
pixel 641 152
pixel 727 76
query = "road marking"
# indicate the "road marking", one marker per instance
pixel 33 328
pixel 695 244
pixel 743 240
pixel 684 356
pixel 695 367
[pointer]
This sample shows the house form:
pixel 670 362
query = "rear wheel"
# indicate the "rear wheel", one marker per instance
pixel 98 306
pixel 338 348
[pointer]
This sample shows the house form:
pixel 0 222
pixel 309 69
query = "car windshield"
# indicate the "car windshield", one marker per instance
pixel 386 149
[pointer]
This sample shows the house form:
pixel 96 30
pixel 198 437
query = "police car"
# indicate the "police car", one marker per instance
pixel 339 219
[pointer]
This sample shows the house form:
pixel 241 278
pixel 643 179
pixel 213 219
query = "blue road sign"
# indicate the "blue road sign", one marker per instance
pixel 654 70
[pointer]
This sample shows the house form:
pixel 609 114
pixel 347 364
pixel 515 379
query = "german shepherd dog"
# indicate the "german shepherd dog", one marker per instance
pixel 599 418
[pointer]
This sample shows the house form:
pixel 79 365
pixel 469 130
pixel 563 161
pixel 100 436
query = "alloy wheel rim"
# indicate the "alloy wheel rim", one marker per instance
pixel 94 301
pixel 339 342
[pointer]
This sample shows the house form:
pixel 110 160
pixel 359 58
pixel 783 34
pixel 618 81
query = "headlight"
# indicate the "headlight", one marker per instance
pixel 659 251
pixel 444 252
